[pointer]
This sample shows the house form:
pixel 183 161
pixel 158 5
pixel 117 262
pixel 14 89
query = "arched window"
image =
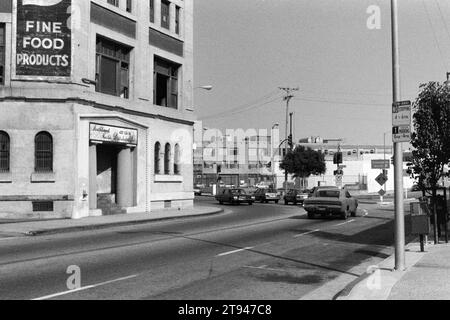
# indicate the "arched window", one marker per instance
pixel 167 156
pixel 176 161
pixel 4 152
pixel 157 157
pixel 43 152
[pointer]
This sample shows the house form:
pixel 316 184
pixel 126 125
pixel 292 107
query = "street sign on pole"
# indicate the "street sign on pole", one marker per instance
pixel 381 164
pixel 381 192
pixel 381 179
pixel 401 121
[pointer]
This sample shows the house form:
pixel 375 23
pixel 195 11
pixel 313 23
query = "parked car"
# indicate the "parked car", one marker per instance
pixel 234 196
pixel 264 195
pixel 295 196
pixel 331 201
pixel 197 191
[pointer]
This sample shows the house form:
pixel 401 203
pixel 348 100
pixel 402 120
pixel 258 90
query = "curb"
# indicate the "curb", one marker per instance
pixel 357 291
pixel 34 233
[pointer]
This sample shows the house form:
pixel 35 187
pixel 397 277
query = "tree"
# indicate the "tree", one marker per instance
pixel 431 138
pixel 303 162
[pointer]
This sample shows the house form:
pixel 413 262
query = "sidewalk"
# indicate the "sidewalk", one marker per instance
pixel 34 228
pixel 427 276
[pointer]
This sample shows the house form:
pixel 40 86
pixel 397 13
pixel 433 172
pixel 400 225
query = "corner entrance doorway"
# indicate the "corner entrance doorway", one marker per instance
pixel 107 179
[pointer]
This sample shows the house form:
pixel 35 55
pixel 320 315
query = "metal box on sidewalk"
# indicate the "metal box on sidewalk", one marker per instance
pixel 420 221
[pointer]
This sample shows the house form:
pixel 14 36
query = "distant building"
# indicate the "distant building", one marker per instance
pixel 96 104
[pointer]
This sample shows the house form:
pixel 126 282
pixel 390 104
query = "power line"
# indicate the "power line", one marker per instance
pixel 243 107
pixel 443 19
pixel 434 33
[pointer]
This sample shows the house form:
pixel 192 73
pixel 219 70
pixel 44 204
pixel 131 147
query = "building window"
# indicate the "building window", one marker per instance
pixel 43 146
pixel 177 20
pixel 4 151
pixel 129 5
pixel 165 83
pixel 165 14
pixel 167 159
pixel 112 68
pixel 2 53
pixel 114 2
pixel 157 157
pixel 152 11
pixel 176 161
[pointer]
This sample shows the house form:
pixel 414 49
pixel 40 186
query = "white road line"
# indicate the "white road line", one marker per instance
pixel 304 234
pixel 11 238
pixel 84 288
pixel 341 224
pixel 264 268
pixel 234 251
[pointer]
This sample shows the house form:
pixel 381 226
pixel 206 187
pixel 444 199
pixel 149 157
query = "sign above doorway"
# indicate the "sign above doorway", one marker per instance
pixel 113 134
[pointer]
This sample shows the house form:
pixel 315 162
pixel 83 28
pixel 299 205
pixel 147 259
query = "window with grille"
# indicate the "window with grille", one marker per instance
pixel 2 53
pixel 167 159
pixel 165 83
pixel 165 14
pixel 157 157
pixel 43 152
pixel 43 206
pixel 4 151
pixel 176 161
pixel 112 68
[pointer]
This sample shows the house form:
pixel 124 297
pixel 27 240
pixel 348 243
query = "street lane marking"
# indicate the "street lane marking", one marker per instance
pixel 264 268
pixel 304 234
pixel 234 251
pixel 341 224
pixel 84 288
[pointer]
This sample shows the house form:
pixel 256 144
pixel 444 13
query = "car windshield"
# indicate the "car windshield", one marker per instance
pixel 328 193
pixel 271 191
pixel 237 191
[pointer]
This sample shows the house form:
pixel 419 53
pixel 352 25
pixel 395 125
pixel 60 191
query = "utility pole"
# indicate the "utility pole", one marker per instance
pixel 398 156
pixel 289 95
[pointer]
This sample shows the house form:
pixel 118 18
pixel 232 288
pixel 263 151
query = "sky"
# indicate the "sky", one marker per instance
pixel 247 49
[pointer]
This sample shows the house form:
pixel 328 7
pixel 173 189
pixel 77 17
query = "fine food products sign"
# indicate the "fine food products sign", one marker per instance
pixel 43 43
pixel 103 133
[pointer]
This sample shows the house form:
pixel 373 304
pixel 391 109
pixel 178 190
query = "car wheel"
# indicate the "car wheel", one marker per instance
pixel 295 203
pixel 286 202
pixel 220 202
pixel 344 215
pixel 267 201
pixel 310 215
pixel 276 201
pixel 262 201
pixel 353 214
pixel 250 203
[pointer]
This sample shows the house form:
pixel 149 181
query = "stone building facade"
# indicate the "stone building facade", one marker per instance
pixel 95 107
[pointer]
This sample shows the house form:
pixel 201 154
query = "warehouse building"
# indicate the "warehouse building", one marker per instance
pixel 96 107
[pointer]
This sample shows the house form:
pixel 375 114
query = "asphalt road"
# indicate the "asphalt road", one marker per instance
pixel 264 251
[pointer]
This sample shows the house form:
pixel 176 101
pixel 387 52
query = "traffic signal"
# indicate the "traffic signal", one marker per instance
pixel 290 142
pixel 337 158
pixel 339 172
pixel 269 165
pixel 219 168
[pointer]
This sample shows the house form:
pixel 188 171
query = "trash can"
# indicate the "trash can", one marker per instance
pixel 420 220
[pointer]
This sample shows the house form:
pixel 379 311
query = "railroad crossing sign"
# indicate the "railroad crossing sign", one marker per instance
pixel 401 121
pixel 381 192
pixel 381 179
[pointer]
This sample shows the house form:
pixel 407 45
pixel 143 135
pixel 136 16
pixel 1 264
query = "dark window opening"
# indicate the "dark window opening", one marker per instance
pixel 4 152
pixel 176 161
pixel 165 90
pixel 177 20
pixel 43 152
pixel 2 53
pixel 165 14
pixel 152 11
pixel 114 2
pixel 129 5
pixel 112 70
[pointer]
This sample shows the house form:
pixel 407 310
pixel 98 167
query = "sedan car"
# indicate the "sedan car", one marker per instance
pixel 264 195
pixel 331 201
pixel 234 196
pixel 295 196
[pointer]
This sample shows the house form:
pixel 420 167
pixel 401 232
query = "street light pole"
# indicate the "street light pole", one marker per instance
pixel 398 156
pixel 274 179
